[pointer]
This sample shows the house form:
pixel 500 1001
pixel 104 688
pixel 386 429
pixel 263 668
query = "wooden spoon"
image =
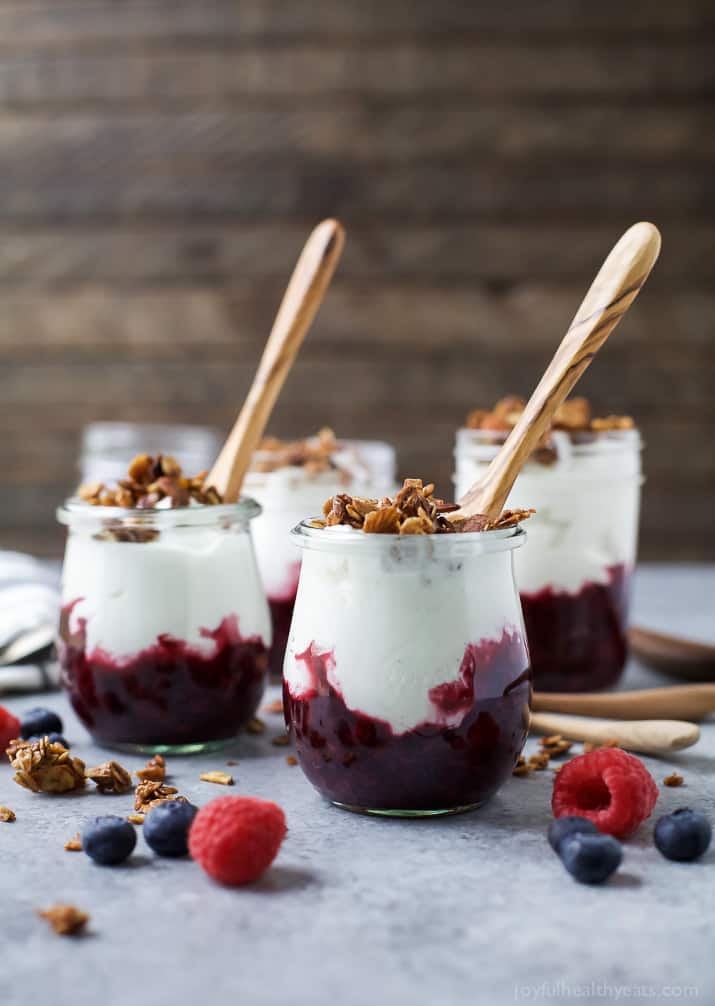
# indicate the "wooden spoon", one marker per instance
pixel 613 291
pixel 647 736
pixel 688 702
pixel 303 297
pixel 682 658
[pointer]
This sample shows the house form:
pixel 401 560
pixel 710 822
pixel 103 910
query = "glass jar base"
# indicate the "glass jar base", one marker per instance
pixel 199 747
pixel 381 812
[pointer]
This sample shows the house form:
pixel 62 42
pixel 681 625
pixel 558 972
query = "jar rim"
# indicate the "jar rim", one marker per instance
pixel 340 536
pixel 75 512
pixel 585 441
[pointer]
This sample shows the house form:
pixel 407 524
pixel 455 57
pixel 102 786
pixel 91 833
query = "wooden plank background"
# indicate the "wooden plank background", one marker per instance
pixel 161 162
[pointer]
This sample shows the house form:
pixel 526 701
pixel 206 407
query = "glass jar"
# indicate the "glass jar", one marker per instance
pixel 165 629
pixel 406 678
pixel 286 495
pixel 575 576
pixel 107 448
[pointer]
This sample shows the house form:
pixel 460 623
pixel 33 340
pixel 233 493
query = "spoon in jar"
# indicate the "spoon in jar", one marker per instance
pixel 304 295
pixel 611 294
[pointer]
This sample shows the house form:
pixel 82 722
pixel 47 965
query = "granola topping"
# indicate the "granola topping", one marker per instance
pixel 574 416
pixel 314 455
pixel 66 920
pixel 151 481
pixel 43 766
pixel 110 777
pixel 414 510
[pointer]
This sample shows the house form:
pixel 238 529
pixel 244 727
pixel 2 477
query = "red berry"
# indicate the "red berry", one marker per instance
pixel 9 727
pixel 236 838
pixel 610 787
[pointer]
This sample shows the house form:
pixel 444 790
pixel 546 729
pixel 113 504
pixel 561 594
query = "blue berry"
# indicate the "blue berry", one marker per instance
pixel 52 738
pixel 569 825
pixel 39 722
pixel 166 827
pixel 590 859
pixel 109 840
pixel 683 835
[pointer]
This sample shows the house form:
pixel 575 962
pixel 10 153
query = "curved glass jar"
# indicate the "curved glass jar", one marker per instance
pixel 575 576
pixel 286 495
pixel 406 677
pixel 165 629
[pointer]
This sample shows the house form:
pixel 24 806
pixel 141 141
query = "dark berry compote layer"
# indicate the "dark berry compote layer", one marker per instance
pixel 170 693
pixel 361 762
pixel 578 641
pixel 281 608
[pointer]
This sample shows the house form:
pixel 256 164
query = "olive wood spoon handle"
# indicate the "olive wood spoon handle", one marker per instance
pixel 614 289
pixel 647 736
pixel 303 297
pixel 688 702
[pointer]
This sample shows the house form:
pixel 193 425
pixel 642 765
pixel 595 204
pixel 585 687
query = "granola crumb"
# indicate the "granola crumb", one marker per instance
pixel 7 815
pixel 231 761
pixel 153 771
pixel 674 779
pixel 149 794
pixel 74 844
pixel 135 818
pixel 280 741
pixel 539 761
pixel 220 778
pixel 255 726
pixel 555 745
pixel 110 777
pixel 66 920
pixel 291 760
pixel 274 708
pixel 522 768
pixel 44 766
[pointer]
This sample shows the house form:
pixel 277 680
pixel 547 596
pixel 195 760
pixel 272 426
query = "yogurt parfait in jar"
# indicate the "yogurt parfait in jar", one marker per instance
pixel 406 676
pixel 165 629
pixel 574 578
pixel 291 479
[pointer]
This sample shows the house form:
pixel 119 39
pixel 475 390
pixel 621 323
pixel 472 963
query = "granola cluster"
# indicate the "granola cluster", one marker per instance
pixel 66 920
pixel 44 766
pixel 314 455
pixel 414 510
pixel 573 416
pixel 149 481
pixel 110 777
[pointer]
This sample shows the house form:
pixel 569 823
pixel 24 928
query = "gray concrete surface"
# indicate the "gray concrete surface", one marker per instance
pixel 467 910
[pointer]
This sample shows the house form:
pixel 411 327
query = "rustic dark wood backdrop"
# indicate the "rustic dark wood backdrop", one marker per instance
pixel 161 163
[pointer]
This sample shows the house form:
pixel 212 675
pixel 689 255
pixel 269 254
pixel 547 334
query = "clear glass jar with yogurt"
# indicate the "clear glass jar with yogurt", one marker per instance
pixel 406 678
pixel 286 494
pixel 165 629
pixel 575 575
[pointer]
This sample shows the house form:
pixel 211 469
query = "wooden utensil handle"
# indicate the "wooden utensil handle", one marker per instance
pixel 688 702
pixel 611 294
pixel 299 306
pixel 647 736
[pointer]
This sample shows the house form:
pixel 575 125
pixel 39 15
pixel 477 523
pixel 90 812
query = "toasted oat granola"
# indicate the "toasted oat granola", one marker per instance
pixel 149 481
pixel 74 844
pixel 7 815
pixel 153 771
pixel 414 510
pixel 149 794
pixel 110 777
pixel 220 778
pixel 573 416
pixel 66 920
pixel 674 779
pixel 314 455
pixel 43 766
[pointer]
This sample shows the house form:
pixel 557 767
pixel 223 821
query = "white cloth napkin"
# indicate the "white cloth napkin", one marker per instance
pixel 29 611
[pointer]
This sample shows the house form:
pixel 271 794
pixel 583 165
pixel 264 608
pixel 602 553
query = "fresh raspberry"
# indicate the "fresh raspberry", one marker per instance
pixel 9 727
pixel 608 786
pixel 236 838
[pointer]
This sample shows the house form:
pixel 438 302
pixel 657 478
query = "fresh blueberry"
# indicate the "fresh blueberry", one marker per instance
pixel 39 722
pixel 52 738
pixel 569 825
pixel 166 827
pixel 109 840
pixel 683 835
pixel 591 859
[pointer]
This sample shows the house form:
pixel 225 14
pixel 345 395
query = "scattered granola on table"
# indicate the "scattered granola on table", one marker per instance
pixel 674 779
pixel 255 726
pixel 220 778
pixel 521 768
pixel 291 760
pixel 148 794
pixel 110 777
pixel 413 510
pixel 66 920
pixel 153 771
pixel 281 740
pixel 555 745
pixel 7 815
pixel 74 844
pixel 151 481
pixel 44 766
pixel 135 818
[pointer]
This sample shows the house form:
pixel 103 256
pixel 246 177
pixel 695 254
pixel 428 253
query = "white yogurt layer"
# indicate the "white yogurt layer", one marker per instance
pixel 397 618
pixel 587 506
pixel 186 580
